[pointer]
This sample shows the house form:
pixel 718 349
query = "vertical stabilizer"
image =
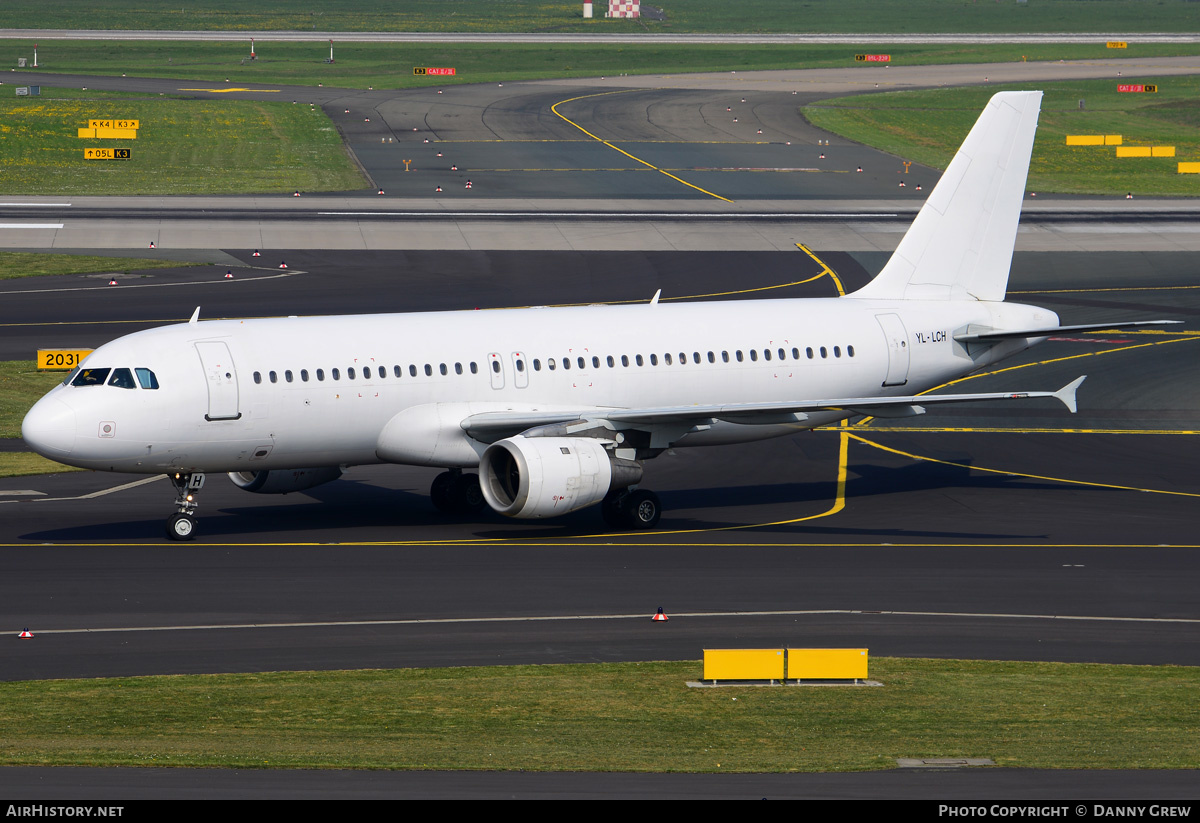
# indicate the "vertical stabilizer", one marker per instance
pixel 960 246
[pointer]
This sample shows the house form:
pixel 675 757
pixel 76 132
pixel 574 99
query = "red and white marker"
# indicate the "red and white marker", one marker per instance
pixel 660 616
pixel 256 254
pixel 282 264
pixel 25 633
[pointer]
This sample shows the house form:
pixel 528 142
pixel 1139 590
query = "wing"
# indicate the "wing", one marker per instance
pixel 488 427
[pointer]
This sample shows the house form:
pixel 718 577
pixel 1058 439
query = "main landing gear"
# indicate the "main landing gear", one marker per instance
pixel 636 509
pixel 182 524
pixel 453 492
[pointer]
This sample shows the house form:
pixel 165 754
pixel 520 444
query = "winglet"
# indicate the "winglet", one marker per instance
pixel 195 316
pixel 1067 393
pixel 654 299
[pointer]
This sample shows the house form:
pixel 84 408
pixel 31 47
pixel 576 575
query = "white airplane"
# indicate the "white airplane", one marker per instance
pixel 558 407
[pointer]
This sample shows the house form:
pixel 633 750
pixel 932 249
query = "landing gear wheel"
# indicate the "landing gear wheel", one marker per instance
pixel 441 493
pixel 468 496
pixel 610 509
pixel 642 509
pixel 181 527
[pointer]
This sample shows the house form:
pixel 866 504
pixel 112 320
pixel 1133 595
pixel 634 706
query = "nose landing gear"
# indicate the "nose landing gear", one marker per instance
pixel 182 524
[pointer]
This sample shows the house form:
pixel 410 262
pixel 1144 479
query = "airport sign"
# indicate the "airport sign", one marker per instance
pixel 1148 88
pixel 419 71
pixel 873 58
pixel 106 154
pixel 1116 44
pixel 61 358
pixel 114 124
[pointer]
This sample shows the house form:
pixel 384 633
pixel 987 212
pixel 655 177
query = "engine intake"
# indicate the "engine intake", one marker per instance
pixel 282 481
pixel 534 477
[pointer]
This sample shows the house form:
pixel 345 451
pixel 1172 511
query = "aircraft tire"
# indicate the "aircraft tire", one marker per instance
pixel 642 509
pixel 441 493
pixel 181 527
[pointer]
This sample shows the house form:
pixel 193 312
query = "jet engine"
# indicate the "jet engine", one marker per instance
pixel 533 477
pixel 282 481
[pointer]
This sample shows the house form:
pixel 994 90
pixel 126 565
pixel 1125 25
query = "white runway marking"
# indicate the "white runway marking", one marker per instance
pixel 31 225
pixel 89 495
pixel 217 279
pixel 643 617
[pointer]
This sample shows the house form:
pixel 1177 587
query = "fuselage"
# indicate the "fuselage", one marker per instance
pixel 252 395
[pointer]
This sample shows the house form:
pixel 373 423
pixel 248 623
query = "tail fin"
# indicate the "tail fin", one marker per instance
pixel 960 246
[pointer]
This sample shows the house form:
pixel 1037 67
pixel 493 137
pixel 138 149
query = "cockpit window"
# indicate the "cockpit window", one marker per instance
pixel 146 378
pixel 91 377
pixel 67 380
pixel 122 379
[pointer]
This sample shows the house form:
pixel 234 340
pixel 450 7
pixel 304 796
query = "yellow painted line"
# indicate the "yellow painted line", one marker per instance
pixel 1011 473
pixel 1002 430
pixel 554 109
pixel 223 91
pixel 825 268
pixel 651 545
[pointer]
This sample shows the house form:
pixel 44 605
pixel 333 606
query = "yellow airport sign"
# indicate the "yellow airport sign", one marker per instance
pixel 1117 44
pixel 61 358
pixel 1189 168
pixel 114 124
pixel 106 154
pixel 743 664
pixel 827 664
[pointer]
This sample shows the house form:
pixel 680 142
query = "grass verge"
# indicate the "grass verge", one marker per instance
pixel 928 126
pixel 182 147
pixel 22 385
pixel 34 264
pixel 390 65
pixel 884 16
pixel 612 717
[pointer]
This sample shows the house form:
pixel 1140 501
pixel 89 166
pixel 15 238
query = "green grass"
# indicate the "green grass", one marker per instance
pixel 389 65
pixel 183 147
pixel 33 264
pixel 885 16
pixel 21 464
pixel 928 126
pixel 612 717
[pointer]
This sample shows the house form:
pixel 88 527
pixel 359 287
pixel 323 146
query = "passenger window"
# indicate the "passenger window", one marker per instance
pixel 625 360
pixel 595 362
pixel 638 359
pixel 782 354
pixel 397 371
pixel 566 362
pixel 725 356
pixel 91 377
pixel 738 355
pixel 335 374
pixel 795 354
pixel 382 372
pixel 429 369
pixel 696 357
pixel 304 375
pixel 458 368
pixel 287 375
pixel 809 352
pixel 551 364
pixel 667 358
pixel 766 354
pixel 654 360
pixel 837 351
pixel 520 365
pixel 474 368
pixel 412 370
pixel 611 362
pixel 442 368
pixel 850 350
pixel 754 355
pixel 496 366
pixel 350 373
pixel 581 362
pixel 824 353
pixel 320 375
pixel 274 377
pixel 122 379
pixel 258 377
pixel 712 358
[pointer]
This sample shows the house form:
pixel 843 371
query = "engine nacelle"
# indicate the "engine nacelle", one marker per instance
pixel 530 477
pixel 282 481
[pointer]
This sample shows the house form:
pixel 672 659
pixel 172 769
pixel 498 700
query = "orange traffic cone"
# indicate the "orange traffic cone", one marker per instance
pixel 660 616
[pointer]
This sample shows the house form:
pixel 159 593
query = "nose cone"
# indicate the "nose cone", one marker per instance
pixel 49 428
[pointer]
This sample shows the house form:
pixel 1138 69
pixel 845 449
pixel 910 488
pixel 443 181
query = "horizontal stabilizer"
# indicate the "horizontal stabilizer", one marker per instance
pixel 984 337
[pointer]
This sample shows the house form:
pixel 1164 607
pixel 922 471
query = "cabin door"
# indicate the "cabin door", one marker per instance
pixel 221 377
pixel 897 342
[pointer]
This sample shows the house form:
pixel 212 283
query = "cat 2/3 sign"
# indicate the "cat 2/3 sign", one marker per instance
pixel 106 154
pixel 431 71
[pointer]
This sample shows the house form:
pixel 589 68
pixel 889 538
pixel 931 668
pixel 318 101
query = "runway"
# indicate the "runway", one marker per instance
pixel 1034 535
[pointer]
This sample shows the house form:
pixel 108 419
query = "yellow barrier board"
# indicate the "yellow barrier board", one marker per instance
pixel 1085 139
pixel 114 124
pixel 117 134
pixel 1117 44
pixel 87 134
pixel 827 664
pixel 1189 168
pixel 61 358
pixel 1162 151
pixel 1112 139
pixel 743 664
pixel 1133 151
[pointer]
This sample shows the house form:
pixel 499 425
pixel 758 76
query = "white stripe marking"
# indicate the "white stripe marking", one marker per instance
pixel 31 225
pixel 645 617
